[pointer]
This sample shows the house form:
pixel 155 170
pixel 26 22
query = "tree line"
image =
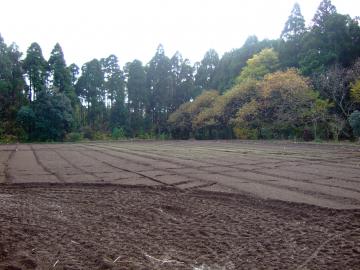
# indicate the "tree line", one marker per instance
pixel 306 84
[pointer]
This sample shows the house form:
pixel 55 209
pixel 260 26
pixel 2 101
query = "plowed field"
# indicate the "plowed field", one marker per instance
pixel 180 205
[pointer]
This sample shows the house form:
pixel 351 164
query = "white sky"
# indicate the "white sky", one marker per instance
pixel 88 29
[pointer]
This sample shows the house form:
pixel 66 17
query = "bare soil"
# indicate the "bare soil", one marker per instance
pixel 180 205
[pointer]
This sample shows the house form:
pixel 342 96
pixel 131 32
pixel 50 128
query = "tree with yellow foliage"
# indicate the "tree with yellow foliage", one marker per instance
pixel 285 105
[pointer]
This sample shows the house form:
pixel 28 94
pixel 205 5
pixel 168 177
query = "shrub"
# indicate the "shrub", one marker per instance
pixel 163 136
pixel 9 139
pixel 308 135
pixel 245 133
pixel 74 137
pixel 118 133
pixel 146 135
pixel 266 133
pixel 88 133
pixel 354 121
pixel 100 136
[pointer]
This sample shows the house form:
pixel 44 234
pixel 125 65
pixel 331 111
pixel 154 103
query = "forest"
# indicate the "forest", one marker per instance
pixel 305 85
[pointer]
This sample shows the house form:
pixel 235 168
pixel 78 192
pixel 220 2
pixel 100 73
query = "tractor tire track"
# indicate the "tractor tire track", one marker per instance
pixel 280 186
pixel 8 177
pixel 45 168
pixel 75 166
pixel 124 169
pixel 193 179
pixel 266 174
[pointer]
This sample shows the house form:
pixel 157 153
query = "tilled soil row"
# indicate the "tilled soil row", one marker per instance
pixel 77 226
pixel 292 186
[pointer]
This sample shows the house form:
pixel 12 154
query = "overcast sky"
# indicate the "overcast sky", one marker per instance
pixel 88 29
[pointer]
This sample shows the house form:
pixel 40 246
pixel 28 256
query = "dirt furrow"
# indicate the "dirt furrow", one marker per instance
pixel 323 158
pixel 8 176
pixel 259 171
pixel 73 164
pixel 289 186
pixel 169 171
pixel 45 168
pixel 123 169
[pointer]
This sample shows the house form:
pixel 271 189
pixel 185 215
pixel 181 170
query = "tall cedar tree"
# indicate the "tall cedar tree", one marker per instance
pixel 295 25
pixel 36 69
pixel 11 87
pixel 159 86
pixel 292 34
pixel 136 93
pixel 114 80
pixel 205 71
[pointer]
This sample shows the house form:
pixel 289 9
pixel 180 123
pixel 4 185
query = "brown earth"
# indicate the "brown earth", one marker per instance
pixel 180 205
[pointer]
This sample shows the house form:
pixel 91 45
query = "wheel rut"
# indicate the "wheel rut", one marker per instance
pixel 124 169
pixel 171 172
pixel 8 176
pixel 45 168
pixel 75 166
pixel 267 183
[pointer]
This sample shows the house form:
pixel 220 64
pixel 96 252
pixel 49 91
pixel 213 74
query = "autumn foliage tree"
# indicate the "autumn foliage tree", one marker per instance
pixel 285 106
pixel 182 120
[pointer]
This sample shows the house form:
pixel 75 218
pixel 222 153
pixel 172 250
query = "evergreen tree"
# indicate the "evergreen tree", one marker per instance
pixel 205 71
pixel 60 75
pixel 114 80
pixel 325 9
pixel 136 93
pixel 185 86
pixel 159 82
pixel 290 45
pixel 294 26
pixel 49 117
pixel 90 88
pixel 11 88
pixel 74 71
pixel 36 69
pixel 334 41
pixel 182 81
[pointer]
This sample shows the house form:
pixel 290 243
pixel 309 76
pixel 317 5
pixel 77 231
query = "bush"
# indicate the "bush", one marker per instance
pixel 9 139
pixel 118 134
pixel 74 137
pixel 146 135
pixel 354 121
pixel 91 134
pixel 245 133
pixel 100 136
pixel 164 136
pixel 266 133
pixel 88 133
pixel 308 135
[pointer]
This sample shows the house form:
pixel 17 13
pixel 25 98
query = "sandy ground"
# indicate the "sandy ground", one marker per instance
pixel 180 205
